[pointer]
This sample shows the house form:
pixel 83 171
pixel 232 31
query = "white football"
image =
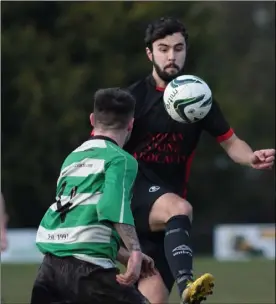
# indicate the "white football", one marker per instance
pixel 187 99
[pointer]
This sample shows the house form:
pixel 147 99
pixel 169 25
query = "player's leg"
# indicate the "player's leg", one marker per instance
pixel 158 287
pixel 98 285
pixel 80 282
pixel 167 212
pixel 57 281
pixel 118 293
pixel 43 291
pixel 174 215
pixel 154 289
pixel 144 195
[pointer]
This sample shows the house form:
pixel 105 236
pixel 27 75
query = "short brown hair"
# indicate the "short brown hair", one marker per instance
pixel 163 27
pixel 113 108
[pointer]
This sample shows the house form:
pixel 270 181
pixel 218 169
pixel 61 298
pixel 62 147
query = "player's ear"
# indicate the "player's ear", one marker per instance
pixel 149 53
pixel 92 119
pixel 130 125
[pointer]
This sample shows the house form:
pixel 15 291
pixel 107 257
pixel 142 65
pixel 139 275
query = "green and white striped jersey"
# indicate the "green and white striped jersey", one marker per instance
pixel 94 191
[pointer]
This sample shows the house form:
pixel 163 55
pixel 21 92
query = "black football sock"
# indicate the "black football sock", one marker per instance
pixel 178 250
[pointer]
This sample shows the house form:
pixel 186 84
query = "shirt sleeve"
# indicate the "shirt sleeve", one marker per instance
pixel 216 125
pixel 114 206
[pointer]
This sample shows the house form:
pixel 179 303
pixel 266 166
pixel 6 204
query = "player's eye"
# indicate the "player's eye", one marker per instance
pixel 179 48
pixel 163 49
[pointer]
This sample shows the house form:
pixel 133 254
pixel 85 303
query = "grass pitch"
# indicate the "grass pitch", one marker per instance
pixel 250 282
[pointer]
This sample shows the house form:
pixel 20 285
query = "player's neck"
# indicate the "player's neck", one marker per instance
pixel 118 136
pixel 160 83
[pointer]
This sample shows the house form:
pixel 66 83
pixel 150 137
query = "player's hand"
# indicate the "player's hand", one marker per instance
pixel 133 270
pixel 148 267
pixel 263 159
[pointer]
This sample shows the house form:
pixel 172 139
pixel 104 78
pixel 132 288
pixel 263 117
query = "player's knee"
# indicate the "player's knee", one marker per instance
pixel 166 207
pixel 180 207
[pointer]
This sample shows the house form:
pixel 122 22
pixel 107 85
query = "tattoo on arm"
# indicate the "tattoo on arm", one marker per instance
pixel 123 255
pixel 129 236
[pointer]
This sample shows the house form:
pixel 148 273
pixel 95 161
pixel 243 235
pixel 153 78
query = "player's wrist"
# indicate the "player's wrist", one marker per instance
pixel 135 246
pixel 137 252
pixel 137 256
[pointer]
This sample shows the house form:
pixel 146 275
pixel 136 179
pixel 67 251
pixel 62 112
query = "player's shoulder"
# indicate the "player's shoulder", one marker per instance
pixel 215 109
pixel 136 85
pixel 117 154
pixel 139 87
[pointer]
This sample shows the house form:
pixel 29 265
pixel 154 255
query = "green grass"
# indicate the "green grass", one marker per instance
pixel 236 282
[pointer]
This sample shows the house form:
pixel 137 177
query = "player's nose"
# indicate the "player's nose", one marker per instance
pixel 171 55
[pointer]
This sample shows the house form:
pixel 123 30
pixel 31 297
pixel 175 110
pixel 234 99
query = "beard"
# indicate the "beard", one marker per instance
pixel 165 76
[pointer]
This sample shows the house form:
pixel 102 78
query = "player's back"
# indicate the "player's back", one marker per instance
pixel 74 225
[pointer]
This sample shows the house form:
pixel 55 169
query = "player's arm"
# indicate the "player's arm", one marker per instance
pixel 114 206
pixel 216 124
pixel 123 256
pixel 148 267
pixel 237 149
pixel 241 153
pixel 129 236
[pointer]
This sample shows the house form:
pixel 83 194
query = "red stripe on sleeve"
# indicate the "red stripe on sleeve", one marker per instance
pixel 225 136
pixel 160 89
pixel 188 171
pixel 92 133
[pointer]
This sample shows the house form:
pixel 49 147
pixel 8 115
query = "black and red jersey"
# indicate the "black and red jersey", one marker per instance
pixel 163 147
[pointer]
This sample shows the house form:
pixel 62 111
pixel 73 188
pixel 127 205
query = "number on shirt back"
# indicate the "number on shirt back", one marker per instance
pixel 63 209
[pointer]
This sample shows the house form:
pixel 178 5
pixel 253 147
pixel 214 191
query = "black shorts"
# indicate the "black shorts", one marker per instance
pixel 145 193
pixel 71 281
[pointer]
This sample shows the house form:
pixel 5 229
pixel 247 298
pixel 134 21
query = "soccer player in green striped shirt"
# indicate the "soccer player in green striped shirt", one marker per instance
pixel 81 232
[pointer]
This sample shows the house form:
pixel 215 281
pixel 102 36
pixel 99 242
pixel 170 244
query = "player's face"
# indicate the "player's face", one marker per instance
pixel 168 56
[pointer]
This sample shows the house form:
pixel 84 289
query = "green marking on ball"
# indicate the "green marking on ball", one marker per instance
pixel 177 82
pixel 206 103
pixel 180 104
pixel 188 101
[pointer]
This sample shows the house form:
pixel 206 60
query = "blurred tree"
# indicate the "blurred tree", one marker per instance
pixel 55 55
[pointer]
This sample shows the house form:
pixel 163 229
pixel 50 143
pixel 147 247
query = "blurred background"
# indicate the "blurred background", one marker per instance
pixel 56 54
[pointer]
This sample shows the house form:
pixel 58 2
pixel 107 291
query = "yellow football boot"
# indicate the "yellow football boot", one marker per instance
pixel 198 290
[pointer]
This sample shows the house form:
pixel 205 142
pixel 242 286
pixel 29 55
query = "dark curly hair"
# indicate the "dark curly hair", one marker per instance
pixel 162 27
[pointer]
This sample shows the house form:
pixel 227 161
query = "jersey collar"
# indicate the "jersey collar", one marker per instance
pixel 153 83
pixel 103 138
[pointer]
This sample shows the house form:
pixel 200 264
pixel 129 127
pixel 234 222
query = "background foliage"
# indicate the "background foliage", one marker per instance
pixel 56 54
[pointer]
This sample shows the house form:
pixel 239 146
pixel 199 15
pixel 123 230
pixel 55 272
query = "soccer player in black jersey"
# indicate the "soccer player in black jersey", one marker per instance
pixel 164 149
